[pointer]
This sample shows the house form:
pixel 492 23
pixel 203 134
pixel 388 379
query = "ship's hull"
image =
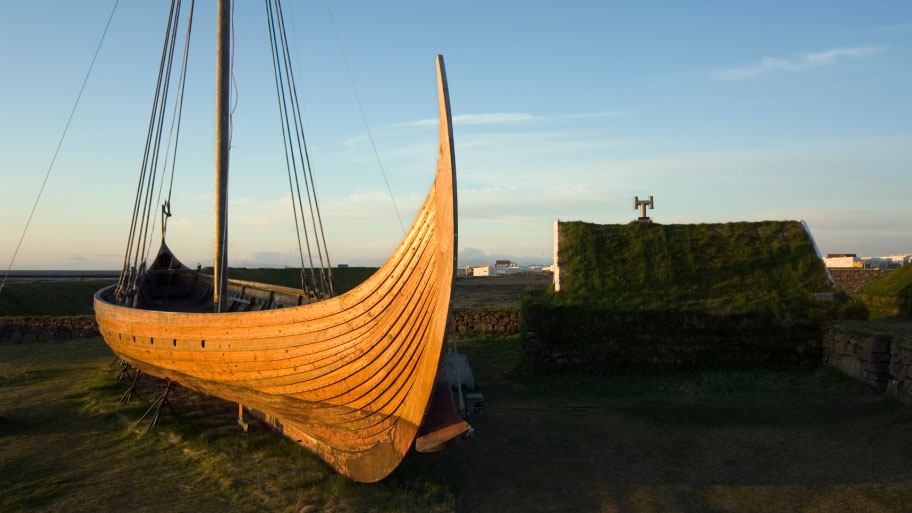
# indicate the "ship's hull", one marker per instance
pixel 349 377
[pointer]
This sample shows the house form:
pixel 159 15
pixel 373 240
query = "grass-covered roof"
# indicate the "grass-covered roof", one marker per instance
pixel 768 266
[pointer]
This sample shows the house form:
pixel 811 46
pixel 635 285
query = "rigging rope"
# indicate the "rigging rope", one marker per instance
pixel 306 169
pixel 154 161
pixel 127 281
pixel 150 220
pixel 297 153
pixel 283 121
pixel 59 144
pixel 175 125
pixel 305 129
pixel 142 225
pixel 159 131
pixel 364 116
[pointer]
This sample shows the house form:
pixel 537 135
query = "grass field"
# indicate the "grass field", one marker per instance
pixel 746 441
pixel 344 279
pixel 496 291
pixel 63 297
pixel 890 295
pixel 74 297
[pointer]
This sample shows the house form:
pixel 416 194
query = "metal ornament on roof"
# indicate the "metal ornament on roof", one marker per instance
pixel 642 204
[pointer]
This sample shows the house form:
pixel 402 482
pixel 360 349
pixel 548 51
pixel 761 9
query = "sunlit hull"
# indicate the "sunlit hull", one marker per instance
pixel 349 377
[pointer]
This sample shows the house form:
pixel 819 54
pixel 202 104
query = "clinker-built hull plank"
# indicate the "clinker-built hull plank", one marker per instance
pixel 349 377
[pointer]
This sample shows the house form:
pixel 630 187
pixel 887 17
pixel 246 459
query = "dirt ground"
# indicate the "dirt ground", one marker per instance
pixel 495 291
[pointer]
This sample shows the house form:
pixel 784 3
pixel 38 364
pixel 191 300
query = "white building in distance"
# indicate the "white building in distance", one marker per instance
pixel 851 260
pixel 481 270
pixel 900 258
pixel 842 261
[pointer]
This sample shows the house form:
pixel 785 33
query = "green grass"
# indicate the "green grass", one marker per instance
pixel 345 278
pixel 68 444
pixel 895 283
pixel 890 295
pixel 690 442
pixel 64 297
pixel 768 266
pixel 74 297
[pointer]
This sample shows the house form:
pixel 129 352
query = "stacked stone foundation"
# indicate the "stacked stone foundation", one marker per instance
pixel 882 360
pixel 853 279
pixel 35 329
pixel 487 320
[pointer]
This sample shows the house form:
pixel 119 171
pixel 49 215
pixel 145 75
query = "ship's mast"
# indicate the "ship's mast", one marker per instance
pixel 222 137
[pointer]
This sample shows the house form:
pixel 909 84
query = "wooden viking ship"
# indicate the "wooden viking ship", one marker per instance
pixel 356 378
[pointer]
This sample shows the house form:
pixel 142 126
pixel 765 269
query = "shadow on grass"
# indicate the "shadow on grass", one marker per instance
pixel 690 441
pixel 746 441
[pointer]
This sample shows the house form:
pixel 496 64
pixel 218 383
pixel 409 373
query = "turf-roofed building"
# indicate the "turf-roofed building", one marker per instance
pixel 653 296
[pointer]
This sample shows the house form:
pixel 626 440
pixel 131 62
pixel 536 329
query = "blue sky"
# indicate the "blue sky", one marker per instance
pixel 721 110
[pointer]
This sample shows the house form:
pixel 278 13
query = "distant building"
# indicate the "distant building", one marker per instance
pixel 481 270
pixel 842 260
pixel 851 260
pixel 504 268
pixel 901 258
pixel 342 266
pixel 877 263
pixel 887 262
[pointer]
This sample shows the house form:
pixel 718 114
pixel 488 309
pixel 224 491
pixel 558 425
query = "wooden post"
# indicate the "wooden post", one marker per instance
pixel 221 153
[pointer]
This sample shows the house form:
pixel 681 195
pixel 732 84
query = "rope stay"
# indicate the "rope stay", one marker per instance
pixel 316 220
pixel 297 161
pixel 174 133
pixel 154 165
pixel 370 136
pixel 66 128
pixel 280 98
pixel 160 157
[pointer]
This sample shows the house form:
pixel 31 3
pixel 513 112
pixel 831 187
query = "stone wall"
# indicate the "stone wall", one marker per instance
pixel 31 329
pixel 487 320
pixel 600 339
pixel 853 279
pixel 880 358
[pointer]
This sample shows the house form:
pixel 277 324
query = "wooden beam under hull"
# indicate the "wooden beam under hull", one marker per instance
pixel 349 377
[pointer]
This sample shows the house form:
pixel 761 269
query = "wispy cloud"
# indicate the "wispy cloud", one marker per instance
pixel 474 120
pixel 499 118
pixel 800 63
